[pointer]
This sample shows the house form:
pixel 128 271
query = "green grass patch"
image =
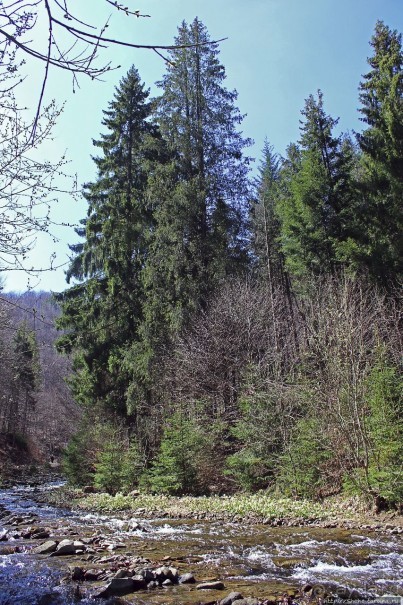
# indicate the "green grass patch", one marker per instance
pixel 259 505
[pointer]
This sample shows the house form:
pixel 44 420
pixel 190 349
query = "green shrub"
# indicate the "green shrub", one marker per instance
pixel 175 469
pixel 247 470
pixel 381 475
pixel 301 466
pixel 101 455
pixel 77 464
pixel 132 467
pixel 108 475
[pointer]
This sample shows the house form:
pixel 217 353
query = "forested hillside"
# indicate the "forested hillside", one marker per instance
pixel 37 410
pixel 237 333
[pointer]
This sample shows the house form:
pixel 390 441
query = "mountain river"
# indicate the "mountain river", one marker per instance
pixel 256 560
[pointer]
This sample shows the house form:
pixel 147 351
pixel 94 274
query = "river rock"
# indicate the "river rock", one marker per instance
pixel 122 586
pixel 116 587
pixel 91 575
pixel 46 548
pixel 247 601
pixel 77 574
pixel 211 586
pixel 89 489
pixel 122 573
pixel 3 535
pixel 139 582
pixel 187 578
pixel 148 575
pixel 40 535
pixel 166 573
pixel 229 599
pixel 65 547
pixel 173 575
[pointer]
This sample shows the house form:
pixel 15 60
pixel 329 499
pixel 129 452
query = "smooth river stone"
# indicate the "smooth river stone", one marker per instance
pixel 211 586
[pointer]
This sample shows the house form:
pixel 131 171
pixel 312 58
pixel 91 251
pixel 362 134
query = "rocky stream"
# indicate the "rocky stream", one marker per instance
pixel 52 556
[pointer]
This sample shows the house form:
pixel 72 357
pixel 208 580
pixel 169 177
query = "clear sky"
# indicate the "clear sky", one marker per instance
pixel 277 53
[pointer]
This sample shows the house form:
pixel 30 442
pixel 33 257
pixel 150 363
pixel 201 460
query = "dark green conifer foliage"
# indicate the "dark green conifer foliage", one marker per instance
pixel 381 96
pixel 266 225
pixel 317 194
pixel 201 221
pixel 198 196
pixel 101 314
pixel 26 374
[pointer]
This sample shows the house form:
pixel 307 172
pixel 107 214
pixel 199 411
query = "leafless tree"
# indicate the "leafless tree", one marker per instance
pixel 235 333
pixel 28 187
pixel 72 44
pixel 347 322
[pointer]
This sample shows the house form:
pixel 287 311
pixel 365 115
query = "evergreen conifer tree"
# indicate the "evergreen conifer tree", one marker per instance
pixel 199 197
pixel 317 195
pixel 25 367
pixel 200 229
pixel 102 312
pixel 381 96
pixel 266 225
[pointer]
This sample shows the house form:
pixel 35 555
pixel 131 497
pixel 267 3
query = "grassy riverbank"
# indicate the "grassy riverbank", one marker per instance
pixel 255 508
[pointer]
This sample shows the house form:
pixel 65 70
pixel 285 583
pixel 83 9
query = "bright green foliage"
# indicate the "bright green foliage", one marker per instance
pixel 383 475
pixel 265 427
pixel 258 433
pixel 246 469
pixel 381 96
pixel 175 469
pixel 300 470
pixel 77 460
pixel 83 449
pixel 100 454
pixel 132 465
pixel 316 194
pixel 108 466
pixel 102 313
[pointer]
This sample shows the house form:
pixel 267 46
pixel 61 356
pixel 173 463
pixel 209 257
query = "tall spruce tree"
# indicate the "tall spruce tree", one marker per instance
pixel 265 222
pixel 381 96
pixel 317 194
pixel 200 232
pixel 102 312
pixel 199 198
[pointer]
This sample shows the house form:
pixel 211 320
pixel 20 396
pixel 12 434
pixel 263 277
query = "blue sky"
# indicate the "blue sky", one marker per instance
pixel 277 53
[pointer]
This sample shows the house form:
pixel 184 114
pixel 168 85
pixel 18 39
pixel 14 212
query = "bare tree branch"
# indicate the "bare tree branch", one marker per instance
pixel 73 44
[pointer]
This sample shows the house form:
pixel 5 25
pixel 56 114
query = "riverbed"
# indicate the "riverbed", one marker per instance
pixel 257 561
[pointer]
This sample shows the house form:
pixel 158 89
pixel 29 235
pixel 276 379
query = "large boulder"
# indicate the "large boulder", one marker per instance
pixel 46 548
pixel 68 547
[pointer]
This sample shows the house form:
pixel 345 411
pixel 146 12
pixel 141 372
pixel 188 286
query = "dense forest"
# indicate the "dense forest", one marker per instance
pixel 229 332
